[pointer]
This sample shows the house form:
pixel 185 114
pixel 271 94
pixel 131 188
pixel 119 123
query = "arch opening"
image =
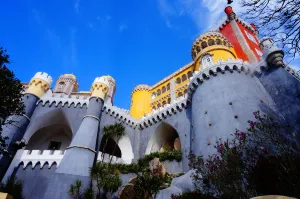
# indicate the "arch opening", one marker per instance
pixel 165 138
pixel 52 137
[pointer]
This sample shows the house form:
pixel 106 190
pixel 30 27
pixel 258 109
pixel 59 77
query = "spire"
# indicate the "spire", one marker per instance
pixel 230 14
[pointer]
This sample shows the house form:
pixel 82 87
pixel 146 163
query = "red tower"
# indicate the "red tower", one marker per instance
pixel 242 36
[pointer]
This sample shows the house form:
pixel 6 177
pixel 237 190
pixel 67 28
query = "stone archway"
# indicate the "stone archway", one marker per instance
pixel 52 137
pixel 165 137
pixel 122 149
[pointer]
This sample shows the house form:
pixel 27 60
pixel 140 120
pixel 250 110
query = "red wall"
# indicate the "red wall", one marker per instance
pixel 227 31
pixel 251 44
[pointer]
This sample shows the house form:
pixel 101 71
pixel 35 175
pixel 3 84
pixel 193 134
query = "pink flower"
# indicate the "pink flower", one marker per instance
pixel 252 124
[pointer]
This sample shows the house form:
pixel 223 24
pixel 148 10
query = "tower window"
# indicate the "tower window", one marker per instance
pixel 61 85
pixel 184 77
pixel 53 145
pixel 211 42
pixel 206 61
pixel 178 80
pixel 219 42
pixel 168 86
pixel 158 92
pixel 163 89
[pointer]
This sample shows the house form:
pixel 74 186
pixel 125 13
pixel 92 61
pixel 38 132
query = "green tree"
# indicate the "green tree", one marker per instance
pixel 116 131
pixel 75 190
pixel 11 97
pixel 14 187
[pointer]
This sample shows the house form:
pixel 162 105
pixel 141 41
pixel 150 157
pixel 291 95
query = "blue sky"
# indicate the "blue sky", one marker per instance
pixel 136 42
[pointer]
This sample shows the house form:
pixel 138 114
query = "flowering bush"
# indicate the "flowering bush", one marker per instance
pixel 263 160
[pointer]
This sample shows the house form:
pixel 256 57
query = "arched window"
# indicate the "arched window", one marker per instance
pixel 224 43
pixel 169 101
pixel 211 42
pixel 168 86
pixel 180 94
pixel 153 95
pixel 198 48
pixel 190 74
pixel 163 89
pixel 158 92
pixel 184 77
pixel 164 103
pixel 206 61
pixel 185 91
pixel 158 106
pixel 178 80
pixel 61 85
pixel 203 44
pixel 218 41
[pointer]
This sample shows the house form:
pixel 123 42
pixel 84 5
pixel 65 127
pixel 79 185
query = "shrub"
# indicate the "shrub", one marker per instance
pixel 261 161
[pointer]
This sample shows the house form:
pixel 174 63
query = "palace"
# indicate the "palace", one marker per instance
pixel 231 74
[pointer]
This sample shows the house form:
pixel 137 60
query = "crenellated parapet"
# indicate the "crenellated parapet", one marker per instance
pixel 100 87
pixel 39 84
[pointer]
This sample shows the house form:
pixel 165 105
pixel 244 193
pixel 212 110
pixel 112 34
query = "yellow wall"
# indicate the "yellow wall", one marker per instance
pixel 219 52
pixel 140 103
pixel 37 87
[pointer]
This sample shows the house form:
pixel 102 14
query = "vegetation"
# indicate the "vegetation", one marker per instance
pixel 75 190
pixel 13 186
pixel 262 161
pixel 116 131
pixel 278 19
pixel 11 97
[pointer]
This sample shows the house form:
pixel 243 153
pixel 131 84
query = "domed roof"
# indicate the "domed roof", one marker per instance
pixel 208 39
pixel 70 75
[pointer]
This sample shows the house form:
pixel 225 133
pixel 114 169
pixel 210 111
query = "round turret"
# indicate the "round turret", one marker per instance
pixel 67 84
pixel 210 48
pixel 39 84
pixel 100 87
pixel 140 101
pixel 272 54
pixel 112 89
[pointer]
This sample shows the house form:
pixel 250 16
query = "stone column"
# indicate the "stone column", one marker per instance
pixel 80 154
pixel 15 130
pixel 173 89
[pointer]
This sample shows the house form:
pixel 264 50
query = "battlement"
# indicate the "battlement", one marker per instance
pixel 43 76
pixel 102 79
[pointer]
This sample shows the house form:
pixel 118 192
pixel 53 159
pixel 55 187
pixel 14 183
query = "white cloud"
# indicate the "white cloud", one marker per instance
pixel 123 27
pixel 206 14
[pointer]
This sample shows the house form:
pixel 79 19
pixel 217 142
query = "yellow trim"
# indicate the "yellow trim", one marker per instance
pixel 37 87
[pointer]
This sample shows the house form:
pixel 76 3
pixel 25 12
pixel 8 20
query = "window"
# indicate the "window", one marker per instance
pixel 158 92
pixel 153 95
pixel 206 61
pixel 178 80
pixel 185 91
pixel 250 36
pixel 168 86
pixel 53 145
pixel 184 77
pixel 180 94
pixel 158 106
pixel 203 45
pixel 164 103
pixel 258 52
pixel 190 74
pixel 61 85
pixel 163 89
pixel 219 42
pixel 169 101
pixel 211 42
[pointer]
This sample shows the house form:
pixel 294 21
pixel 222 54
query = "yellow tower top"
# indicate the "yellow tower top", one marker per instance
pixel 70 75
pixel 39 84
pixel 210 48
pixel 140 101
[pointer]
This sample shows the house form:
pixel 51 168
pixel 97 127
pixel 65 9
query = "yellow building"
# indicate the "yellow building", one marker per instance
pixel 208 49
